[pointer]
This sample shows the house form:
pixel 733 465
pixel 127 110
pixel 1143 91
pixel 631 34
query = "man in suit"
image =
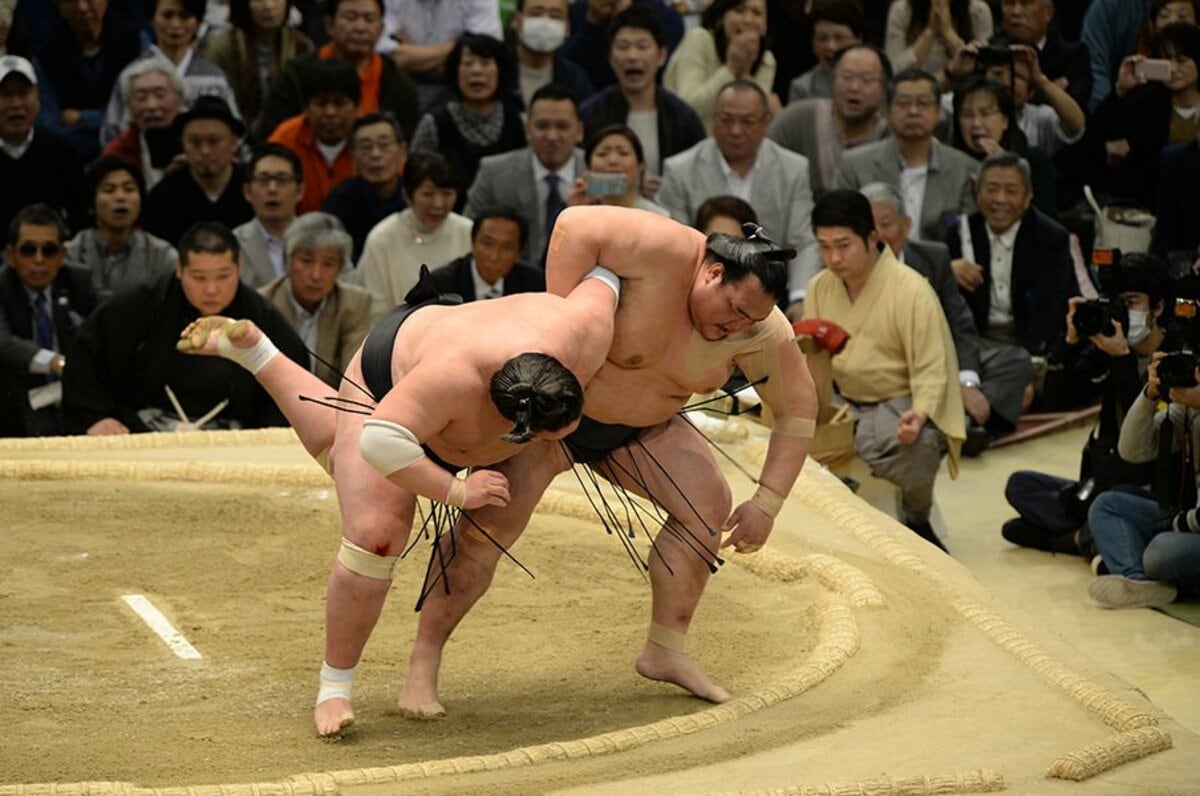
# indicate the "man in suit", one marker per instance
pixel 739 159
pixel 1013 263
pixel 491 269
pixel 42 303
pixel 274 185
pixel 535 180
pixel 332 318
pixel 821 128
pixel 934 179
pixel 995 378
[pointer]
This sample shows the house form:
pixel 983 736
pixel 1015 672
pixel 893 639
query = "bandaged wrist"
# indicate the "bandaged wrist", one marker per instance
pixel 607 277
pixel 456 495
pixel 388 446
pixel 254 358
pixel 767 499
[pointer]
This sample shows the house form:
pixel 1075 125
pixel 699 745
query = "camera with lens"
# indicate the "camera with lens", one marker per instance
pixel 1178 368
pixel 993 55
pixel 1096 316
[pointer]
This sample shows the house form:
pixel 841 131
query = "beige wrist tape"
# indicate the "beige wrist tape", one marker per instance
pixel 457 494
pixel 667 638
pixel 795 426
pixel 767 499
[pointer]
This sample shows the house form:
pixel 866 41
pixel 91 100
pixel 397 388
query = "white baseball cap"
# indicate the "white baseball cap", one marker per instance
pixel 11 64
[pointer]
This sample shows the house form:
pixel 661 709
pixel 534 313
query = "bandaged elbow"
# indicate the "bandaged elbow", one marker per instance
pixel 388 447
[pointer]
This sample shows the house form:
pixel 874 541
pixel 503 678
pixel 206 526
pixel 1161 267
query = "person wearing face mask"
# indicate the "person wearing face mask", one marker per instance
pixel 537 32
pixel 1053 509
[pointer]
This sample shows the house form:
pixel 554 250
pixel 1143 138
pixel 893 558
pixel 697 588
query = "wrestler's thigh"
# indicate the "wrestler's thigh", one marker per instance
pixel 672 463
pixel 376 514
pixel 528 474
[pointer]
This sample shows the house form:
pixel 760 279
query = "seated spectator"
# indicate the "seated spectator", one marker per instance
pixel 535 180
pixel 126 374
pixel 1056 119
pixel 535 50
pixel 1133 123
pixel 174 24
pixel 1151 552
pixel 36 165
pixel 725 214
pixel 77 67
pixel 739 159
pixel 1065 63
pixel 985 123
pixel 418 37
pixel 331 317
pixel 836 24
pixel 320 136
pixel 1012 262
pixel 254 49
pixel 822 129
pixel 730 44
pixel 156 97
pixel 996 379
pixel 1109 365
pixel 926 34
pixel 210 188
pixel 491 269
pixel 274 185
pixel 616 168
pixel 665 124
pixel 588 44
pixel 375 192
pixel 115 251
pixel 934 179
pixel 1176 233
pixel 427 232
pixel 481 119
pixel 354 26
pixel 42 304
pixel 895 369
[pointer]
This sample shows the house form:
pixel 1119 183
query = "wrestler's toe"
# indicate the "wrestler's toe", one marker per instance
pixel 428 712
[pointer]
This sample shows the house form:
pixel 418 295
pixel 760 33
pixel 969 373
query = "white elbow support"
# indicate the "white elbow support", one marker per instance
pixel 607 277
pixel 388 446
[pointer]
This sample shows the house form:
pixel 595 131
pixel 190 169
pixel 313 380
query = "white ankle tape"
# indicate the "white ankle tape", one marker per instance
pixel 335 683
pixel 252 359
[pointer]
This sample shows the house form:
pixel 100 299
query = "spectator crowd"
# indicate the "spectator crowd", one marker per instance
pixel 948 173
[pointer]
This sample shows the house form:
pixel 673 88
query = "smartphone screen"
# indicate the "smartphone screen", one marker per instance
pixel 1154 69
pixel 605 184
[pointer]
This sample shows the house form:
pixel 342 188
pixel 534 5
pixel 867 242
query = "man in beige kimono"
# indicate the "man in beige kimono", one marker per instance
pixel 898 368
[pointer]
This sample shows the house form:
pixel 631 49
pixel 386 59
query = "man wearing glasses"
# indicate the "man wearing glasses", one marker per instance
pixel 274 183
pixel 933 179
pixel 739 160
pixel 42 303
pixel 374 193
pixel 821 129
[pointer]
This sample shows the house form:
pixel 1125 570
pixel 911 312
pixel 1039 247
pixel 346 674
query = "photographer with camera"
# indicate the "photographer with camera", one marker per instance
pixel 1153 552
pixel 1103 353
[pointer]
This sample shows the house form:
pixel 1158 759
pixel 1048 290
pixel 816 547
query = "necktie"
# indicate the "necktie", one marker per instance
pixel 491 293
pixel 43 329
pixel 554 202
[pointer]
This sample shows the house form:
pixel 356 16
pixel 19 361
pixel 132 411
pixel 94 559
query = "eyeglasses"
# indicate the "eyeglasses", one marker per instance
pixel 920 103
pixel 978 113
pixel 862 78
pixel 281 179
pixel 31 249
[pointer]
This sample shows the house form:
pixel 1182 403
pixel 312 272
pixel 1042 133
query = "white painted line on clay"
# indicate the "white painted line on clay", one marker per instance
pixel 162 626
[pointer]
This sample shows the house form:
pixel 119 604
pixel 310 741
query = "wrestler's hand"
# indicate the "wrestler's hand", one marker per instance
pixel 486 488
pixel 750 525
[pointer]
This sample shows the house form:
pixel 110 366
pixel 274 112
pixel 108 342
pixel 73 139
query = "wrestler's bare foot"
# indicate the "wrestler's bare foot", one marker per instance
pixel 419 699
pixel 202 335
pixel 668 666
pixel 332 716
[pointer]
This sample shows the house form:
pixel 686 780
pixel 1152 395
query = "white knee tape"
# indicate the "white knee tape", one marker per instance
pixel 335 683
pixel 365 563
pixel 388 446
pixel 252 359
pixel 607 277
